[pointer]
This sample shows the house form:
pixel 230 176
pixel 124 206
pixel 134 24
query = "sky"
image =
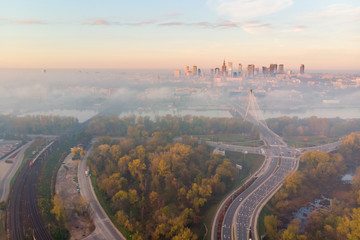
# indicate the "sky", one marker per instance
pixel 163 34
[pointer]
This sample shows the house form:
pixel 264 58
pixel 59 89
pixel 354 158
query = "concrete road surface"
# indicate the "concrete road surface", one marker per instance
pixel 104 228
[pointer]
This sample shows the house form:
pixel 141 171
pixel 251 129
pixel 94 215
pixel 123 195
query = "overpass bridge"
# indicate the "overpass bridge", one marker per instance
pixel 237 216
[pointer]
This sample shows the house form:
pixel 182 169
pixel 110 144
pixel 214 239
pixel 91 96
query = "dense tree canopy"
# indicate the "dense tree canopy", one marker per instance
pixel 157 187
pixel 143 127
pixel 313 126
pixel 319 173
pixel 12 125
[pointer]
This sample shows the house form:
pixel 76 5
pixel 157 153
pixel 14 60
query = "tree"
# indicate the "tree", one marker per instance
pixel 185 234
pixel 350 225
pixel 271 224
pixel 291 233
pixel 59 210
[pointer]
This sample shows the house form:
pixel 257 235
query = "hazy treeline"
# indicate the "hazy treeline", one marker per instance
pixel 157 188
pixel 187 125
pixel 319 174
pixel 313 126
pixel 14 125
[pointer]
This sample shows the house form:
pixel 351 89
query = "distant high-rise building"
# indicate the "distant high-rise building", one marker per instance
pixel 199 72
pixel 256 71
pixel 187 68
pixel 302 68
pixel 217 71
pixel 177 73
pixel 281 68
pixel 194 70
pixel 223 69
pixel 265 71
pixel 230 69
pixel 250 70
pixel 273 69
pixel 211 71
pixel 240 69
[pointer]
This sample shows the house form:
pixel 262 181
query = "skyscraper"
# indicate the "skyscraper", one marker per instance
pixel 273 69
pixel 223 69
pixel 281 68
pixel 240 69
pixel 177 73
pixel 250 70
pixel 230 68
pixel 265 71
pixel 302 68
pixel 217 71
pixel 187 70
pixel 194 70
pixel 211 71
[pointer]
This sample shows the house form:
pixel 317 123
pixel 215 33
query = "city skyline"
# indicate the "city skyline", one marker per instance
pixel 323 35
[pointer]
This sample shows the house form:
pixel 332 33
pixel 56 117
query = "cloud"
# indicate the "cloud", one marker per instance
pixel 255 27
pixel 141 23
pixel 227 24
pixel 298 28
pixel 245 9
pixel 344 13
pixel 203 24
pixel 95 22
pixel 171 24
pixel 29 21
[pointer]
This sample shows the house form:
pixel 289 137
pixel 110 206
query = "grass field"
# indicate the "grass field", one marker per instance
pixel 250 163
pixel 236 139
pixel 309 141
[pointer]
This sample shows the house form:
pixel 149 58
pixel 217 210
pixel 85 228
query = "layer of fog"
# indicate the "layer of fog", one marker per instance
pixel 117 91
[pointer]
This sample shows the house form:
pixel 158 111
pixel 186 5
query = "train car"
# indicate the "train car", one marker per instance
pixel 40 153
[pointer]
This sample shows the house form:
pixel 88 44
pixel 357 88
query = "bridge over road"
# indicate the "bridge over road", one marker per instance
pixel 240 219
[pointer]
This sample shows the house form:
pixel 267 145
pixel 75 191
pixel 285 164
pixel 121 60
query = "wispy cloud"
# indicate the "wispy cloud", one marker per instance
pixel 295 29
pixel 245 9
pixel 30 21
pixel 227 24
pixel 96 22
pixel 171 24
pixel 343 13
pixel 203 24
pixel 255 27
pixel 141 23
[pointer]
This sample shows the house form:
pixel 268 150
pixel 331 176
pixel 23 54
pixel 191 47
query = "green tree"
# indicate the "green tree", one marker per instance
pixel 271 224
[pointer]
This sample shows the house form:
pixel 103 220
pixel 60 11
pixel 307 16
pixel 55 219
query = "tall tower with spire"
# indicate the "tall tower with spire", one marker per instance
pixel 223 69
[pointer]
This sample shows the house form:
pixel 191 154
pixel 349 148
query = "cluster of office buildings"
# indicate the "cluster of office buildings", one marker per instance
pixel 228 71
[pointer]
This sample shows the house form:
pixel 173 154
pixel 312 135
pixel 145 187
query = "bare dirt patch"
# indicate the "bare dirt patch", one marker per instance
pixel 78 218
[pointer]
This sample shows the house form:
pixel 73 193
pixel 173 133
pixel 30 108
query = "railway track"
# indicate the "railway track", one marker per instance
pixel 23 211
pixel 15 210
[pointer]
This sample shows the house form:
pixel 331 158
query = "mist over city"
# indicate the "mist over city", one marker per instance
pixel 213 119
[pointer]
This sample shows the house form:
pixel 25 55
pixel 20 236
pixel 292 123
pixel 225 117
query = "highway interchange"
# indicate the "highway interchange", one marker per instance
pixel 280 161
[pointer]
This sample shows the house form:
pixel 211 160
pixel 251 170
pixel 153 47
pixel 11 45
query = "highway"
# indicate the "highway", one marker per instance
pixel 104 228
pixel 240 219
pixel 281 160
pixel 5 180
pixel 235 148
